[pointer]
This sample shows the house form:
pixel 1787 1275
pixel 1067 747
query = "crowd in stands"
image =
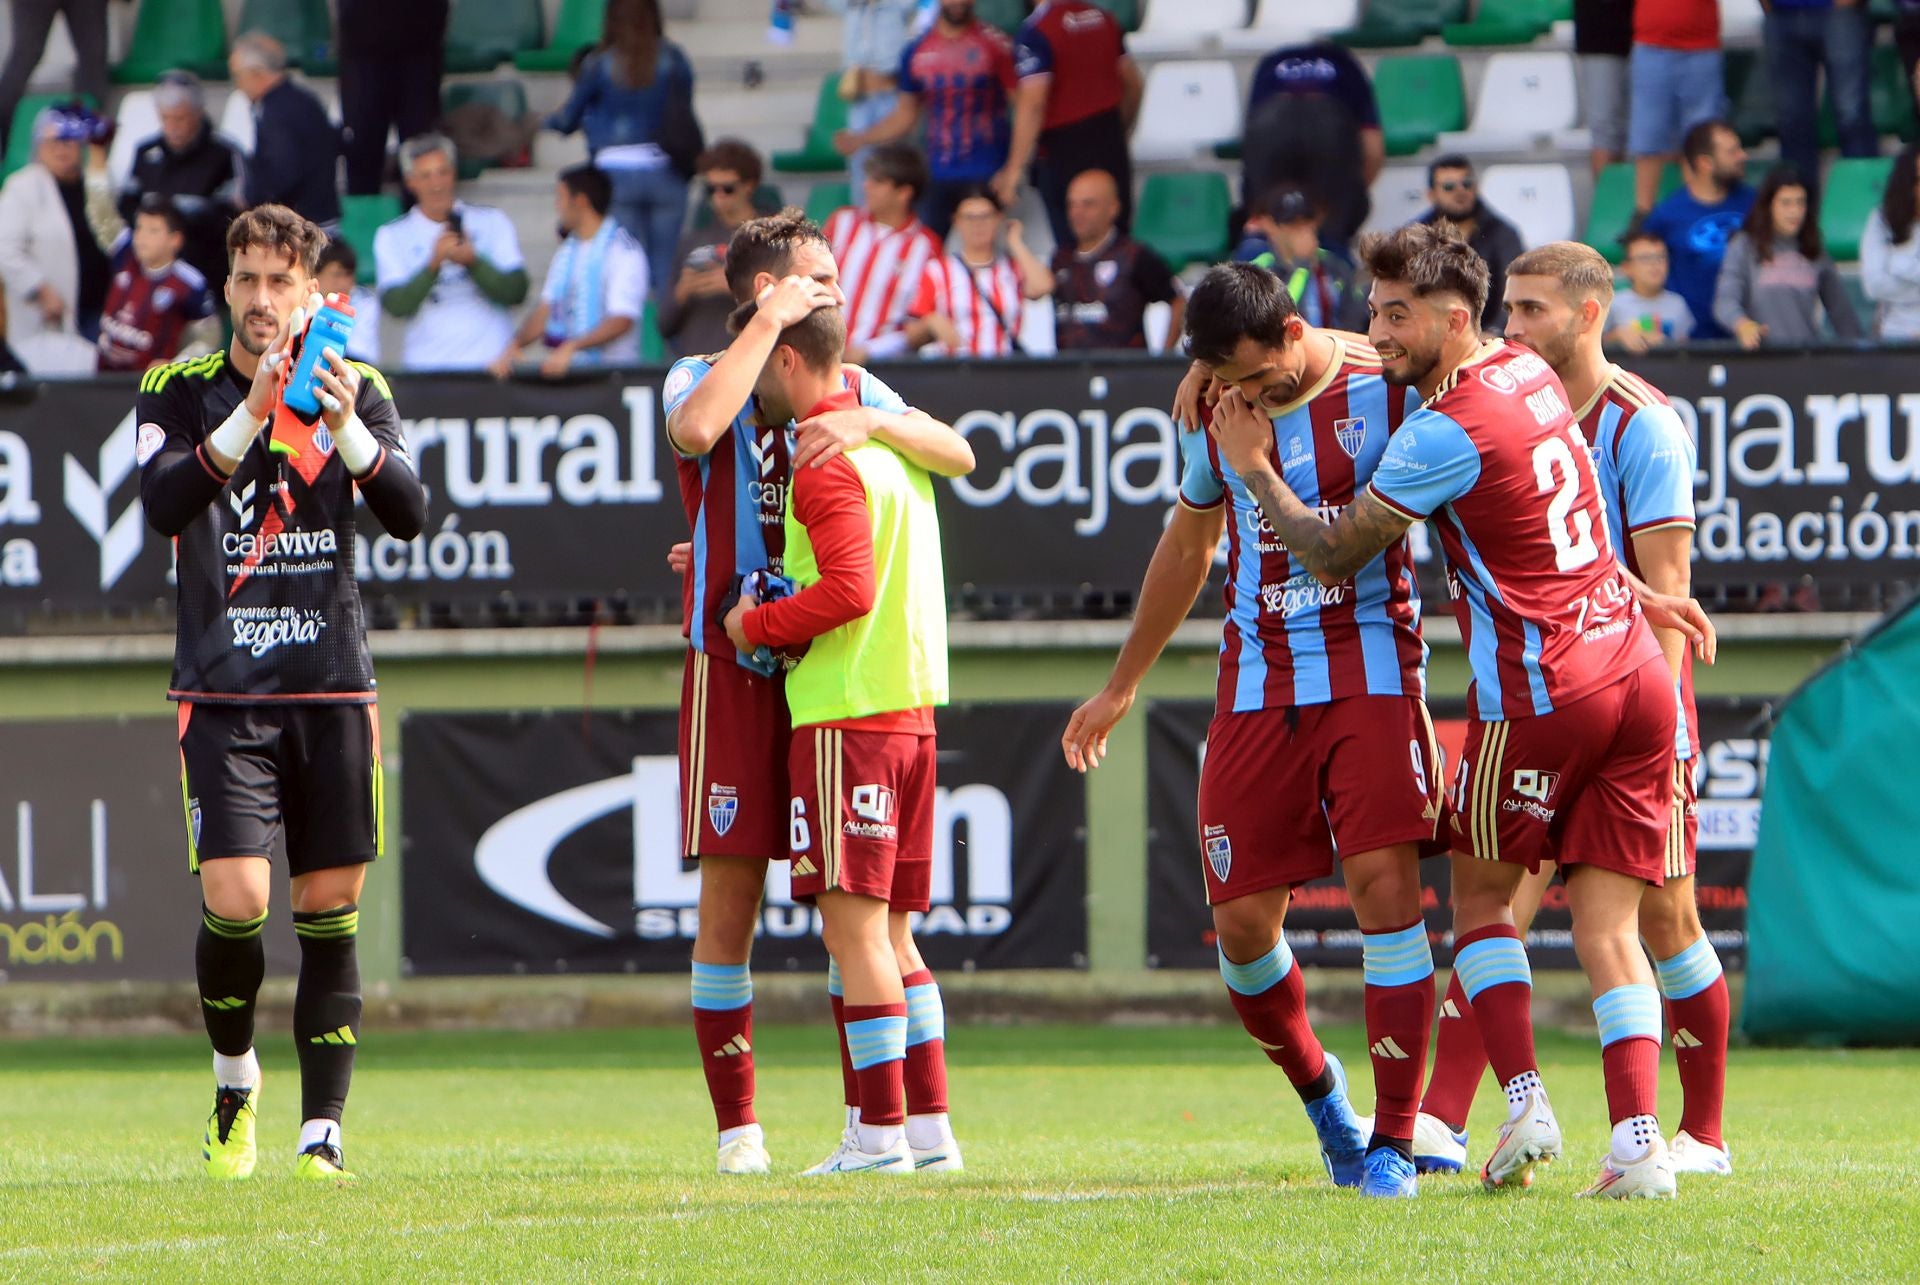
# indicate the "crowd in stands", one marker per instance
pixel 949 121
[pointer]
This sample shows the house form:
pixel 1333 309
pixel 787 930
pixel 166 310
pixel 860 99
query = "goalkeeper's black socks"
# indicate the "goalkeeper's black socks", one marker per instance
pixel 326 1008
pixel 229 961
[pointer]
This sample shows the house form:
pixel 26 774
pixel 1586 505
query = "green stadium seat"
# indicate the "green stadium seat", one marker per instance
pixel 1183 217
pixel 187 34
pixel 816 155
pixel 825 198
pixel 1508 22
pixel 482 34
pixel 305 27
pixel 1750 94
pixel 1612 209
pixel 1890 99
pixel 578 24
pixel 653 348
pixel 20 134
pixel 1393 24
pixel 1125 12
pixel 1420 97
pixel 1007 15
pixel 360 218
pixel 1853 188
pixel 509 96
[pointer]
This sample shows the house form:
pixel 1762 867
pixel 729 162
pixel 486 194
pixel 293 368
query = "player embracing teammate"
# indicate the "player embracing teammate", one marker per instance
pixel 736 463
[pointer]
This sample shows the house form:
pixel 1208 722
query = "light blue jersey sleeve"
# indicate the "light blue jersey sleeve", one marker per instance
pixel 1655 457
pixel 1199 485
pixel 682 376
pixel 875 395
pixel 1428 463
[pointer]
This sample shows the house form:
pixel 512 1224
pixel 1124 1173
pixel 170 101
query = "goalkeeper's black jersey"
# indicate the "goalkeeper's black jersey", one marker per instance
pixel 268 608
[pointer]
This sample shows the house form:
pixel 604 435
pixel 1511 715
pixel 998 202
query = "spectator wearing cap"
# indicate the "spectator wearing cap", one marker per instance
pixel 1103 279
pixel 158 307
pixel 452 271
pixel 338 272
pixel 1312 122
pixel 193 165
pixel 32 21
pixel 1458 209
pixel 295 145
pixel 55 268
pixel 692 314
pixel 1284 238
pixel 390 64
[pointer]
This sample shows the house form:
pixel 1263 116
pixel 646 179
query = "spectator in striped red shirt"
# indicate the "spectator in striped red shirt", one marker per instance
pixel 970 304
pixel 882 251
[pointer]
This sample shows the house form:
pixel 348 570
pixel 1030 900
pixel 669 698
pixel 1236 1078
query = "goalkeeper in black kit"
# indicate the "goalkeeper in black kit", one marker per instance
pixel 278 729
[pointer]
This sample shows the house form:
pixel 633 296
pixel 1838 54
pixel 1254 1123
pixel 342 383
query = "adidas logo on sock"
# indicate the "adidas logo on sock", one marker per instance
pixel 342 1035
pixel 1685 1039
pixel 226 1005
pixel 734 1047
pixel 1387 1048
pixel 1450 1009
pixel 804 866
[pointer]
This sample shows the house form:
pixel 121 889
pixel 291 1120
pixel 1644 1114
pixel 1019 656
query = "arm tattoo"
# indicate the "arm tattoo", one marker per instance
pixel 1331 551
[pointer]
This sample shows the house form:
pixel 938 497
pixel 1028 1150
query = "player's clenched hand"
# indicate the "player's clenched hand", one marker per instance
pixel 736 622
pixel 1245 433
pixel 1085 740
pixel 791 300
pixel 1665 611
pixel 265 389
pixel 680 557
pixel 339 388
pixel 825 437
pixel 1198 387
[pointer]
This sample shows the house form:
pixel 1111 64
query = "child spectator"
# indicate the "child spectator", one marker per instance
pixel 1648 315
pixel 157 304
pixel 1777 271
pixel 337 273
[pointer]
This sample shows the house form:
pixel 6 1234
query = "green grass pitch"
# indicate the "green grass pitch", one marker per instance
pixel 1094 1153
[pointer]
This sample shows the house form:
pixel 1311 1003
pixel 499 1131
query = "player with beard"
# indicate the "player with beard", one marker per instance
pixel 1569 751
pixel 278 730
pixel 734 468
pixel 1557 300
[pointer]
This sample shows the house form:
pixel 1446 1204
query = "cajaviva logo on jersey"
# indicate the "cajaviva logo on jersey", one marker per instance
pixel 513 858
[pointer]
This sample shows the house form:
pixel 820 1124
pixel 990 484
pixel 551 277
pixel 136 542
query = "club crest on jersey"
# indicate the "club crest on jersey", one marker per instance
pixel 1499 380
pixel 723 807
pixel 1219 849
pixel 1106 272
pixel 323 439
pixel 1351 434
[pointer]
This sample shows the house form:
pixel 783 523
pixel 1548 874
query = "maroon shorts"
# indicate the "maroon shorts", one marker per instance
pixel 861 819
pixel 1683 833
pixel 733 761
pixel 1283 790
pixel 1591 783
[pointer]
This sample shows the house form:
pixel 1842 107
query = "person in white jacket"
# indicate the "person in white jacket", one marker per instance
pixel 52 261
pixel 1890 251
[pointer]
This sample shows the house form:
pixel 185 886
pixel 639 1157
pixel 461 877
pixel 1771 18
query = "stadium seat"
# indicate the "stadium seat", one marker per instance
pixel 1289 22
pixel 1522 97
pixel 1183 217
pixel 816 155
pixel 825 198
pixel 1399 196
pixel 1853 188
pixel 1891 99
pixel 20 134
pixel 1536 199
pixel 136 121
pixel 1420 98
pixel 509 96
pixel 1187 106
pixel 577 25
pixel 653 348
pixel 482 34
pixel 1185 26
pixel 1750 95
pixel 303 26
pixel 360 218
pixel 1125 12
pixel 1007 15
pixel 188 34
pixel 1508 22
pixel 1740 22
pixel 1392 24
pixel 1612 209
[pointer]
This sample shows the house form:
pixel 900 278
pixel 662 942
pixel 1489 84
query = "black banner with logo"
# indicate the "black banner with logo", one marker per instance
pixel 545 843
pixel 1320 924
pixel 555 493
pixel 94 884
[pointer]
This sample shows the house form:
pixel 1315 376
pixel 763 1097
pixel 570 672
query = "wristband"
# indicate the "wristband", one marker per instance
pixel 357 445
pixel 236 433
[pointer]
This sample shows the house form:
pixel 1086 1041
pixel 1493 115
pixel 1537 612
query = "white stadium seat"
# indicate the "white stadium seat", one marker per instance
pixel 1399 196
pixel 236 122
pixel 1741 21
pixel 1536 199
pixel 1187 106
pixel 1185 26
pixel 1291 22
pixel 1523 96
pixel 136 121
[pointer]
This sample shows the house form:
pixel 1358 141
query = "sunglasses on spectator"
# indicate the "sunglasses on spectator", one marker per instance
pixel 722 189
pixel 1455 185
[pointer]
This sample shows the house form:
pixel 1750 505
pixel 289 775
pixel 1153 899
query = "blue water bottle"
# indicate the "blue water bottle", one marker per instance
pixel 328 329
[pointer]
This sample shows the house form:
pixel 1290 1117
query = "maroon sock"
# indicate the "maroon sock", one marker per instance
pixel 1699 1026
pixel 1277 1020
pixel 1459 1061
pixel 725 1036
pixel 882 1084
pixel 1504 1014
pixel 1632 1069
pixel 849 1087
pixel 927 1060
pixel 1398 1019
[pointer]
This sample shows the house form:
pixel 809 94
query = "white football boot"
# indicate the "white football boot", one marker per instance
pixel 849 1158
pixel 1530 1137
pixel 1648 1178
pixel 746 1152
pixel 1437 1148
pixel 1690 1155
pixel 943 1156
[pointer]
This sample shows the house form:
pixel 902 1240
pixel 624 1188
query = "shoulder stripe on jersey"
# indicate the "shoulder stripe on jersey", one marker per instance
pixel 1633 389
pixel 156 379
pixel 374 377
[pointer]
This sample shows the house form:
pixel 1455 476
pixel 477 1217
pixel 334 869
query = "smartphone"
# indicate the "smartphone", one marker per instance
pixel 453 224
